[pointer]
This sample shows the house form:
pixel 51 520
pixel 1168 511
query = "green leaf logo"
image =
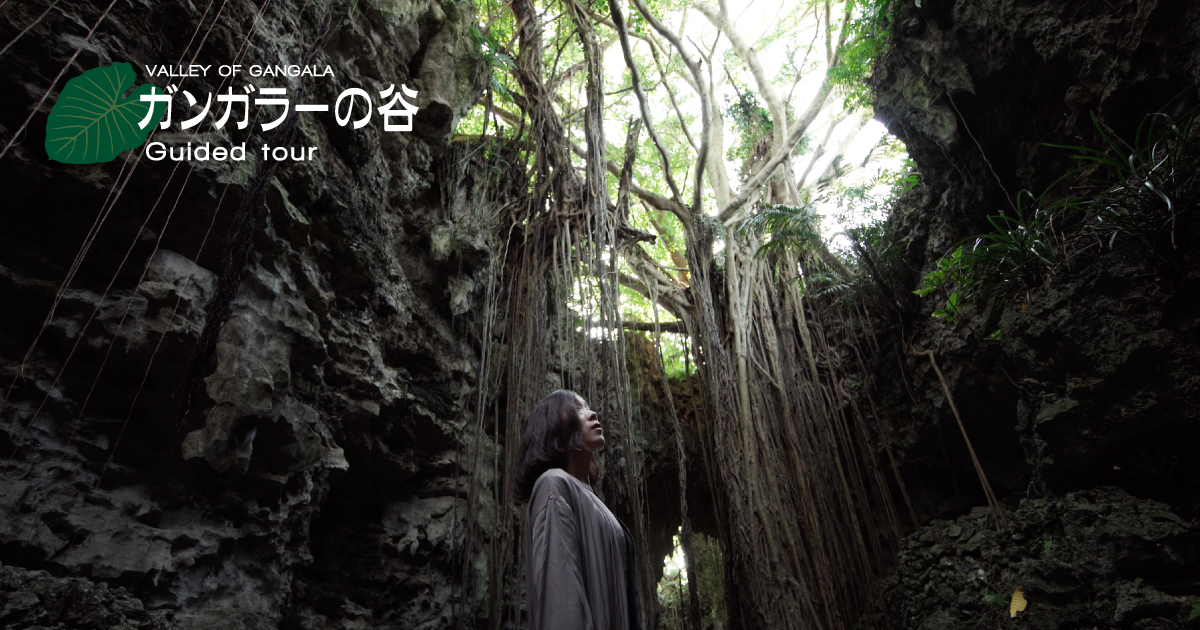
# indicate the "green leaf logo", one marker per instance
pixel 92 123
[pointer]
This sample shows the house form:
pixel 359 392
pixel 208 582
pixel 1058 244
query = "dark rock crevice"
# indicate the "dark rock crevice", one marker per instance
pixel 976 91
pixel 1084 399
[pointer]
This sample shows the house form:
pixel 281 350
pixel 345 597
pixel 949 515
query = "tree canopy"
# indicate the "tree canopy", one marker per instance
pixel 703 172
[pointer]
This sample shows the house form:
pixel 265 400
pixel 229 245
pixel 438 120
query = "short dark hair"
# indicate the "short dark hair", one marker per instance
pixel 551 432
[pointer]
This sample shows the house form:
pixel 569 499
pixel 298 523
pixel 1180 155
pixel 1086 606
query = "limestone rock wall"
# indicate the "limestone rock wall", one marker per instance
pixel 1082 411
pixel 1094 558
pixel 315 483
pixel 1093 369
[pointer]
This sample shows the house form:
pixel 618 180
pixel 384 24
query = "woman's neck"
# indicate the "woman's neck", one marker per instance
pixel 579 463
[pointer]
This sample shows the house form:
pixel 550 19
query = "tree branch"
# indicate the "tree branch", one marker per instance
pixel 667 327
pixel 668 240
pixel 841 45
pixel 553 84
pixel 781 153
pixel 507 116
pixel 655 200
pixel 844 145
pixel 665 291
pixel 625 179
pixel 819 151
pixel 636 77
pixel 720 19
pixel 668 295
pixel 705 105
pixel 674 102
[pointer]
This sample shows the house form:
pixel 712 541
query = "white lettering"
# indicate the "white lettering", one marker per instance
pixel 156 151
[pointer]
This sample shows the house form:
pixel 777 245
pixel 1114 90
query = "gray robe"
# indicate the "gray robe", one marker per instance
pixel 578 560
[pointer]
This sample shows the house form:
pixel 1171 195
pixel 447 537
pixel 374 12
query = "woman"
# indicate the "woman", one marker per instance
pixel 579 566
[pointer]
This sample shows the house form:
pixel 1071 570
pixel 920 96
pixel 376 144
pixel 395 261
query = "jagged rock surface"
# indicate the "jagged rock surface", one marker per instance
pixel 314 483
pixel 35 599
pixel 1097 558
pixel 1091 381
pixel 1093 367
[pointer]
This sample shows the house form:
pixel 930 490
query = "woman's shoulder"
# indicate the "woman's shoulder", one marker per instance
pixel 553 476
pixel 554 480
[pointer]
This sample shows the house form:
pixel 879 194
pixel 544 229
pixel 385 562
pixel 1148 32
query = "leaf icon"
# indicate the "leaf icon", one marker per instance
pixel 92 123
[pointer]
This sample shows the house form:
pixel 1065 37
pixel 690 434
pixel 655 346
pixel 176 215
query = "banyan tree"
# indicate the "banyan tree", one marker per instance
pixel 725 269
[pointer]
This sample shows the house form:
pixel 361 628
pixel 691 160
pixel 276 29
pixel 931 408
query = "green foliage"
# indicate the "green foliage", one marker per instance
pixel 992 600
pixel 752 124
pixel 829 283
pixel 794 228
pixel 677 356
pixel 863 201
pixel 490 39
pixel 871 264
pixel 488 46
pixel 1143 194
pixel 673 588
pixel 648 168
pixel 1148 189
pixel 948 268
pixel 870 28
pixel 91 122
pixel 866 208
pixel 1195 614
pixel 1017 254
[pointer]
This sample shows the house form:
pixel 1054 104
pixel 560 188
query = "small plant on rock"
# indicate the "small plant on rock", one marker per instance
pixel 1142 193
pixel 1018 253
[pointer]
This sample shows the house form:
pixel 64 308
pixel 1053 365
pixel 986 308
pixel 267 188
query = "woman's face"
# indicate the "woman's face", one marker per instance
pixel 589 426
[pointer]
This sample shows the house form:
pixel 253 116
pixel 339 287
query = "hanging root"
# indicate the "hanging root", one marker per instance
pixel 997 509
